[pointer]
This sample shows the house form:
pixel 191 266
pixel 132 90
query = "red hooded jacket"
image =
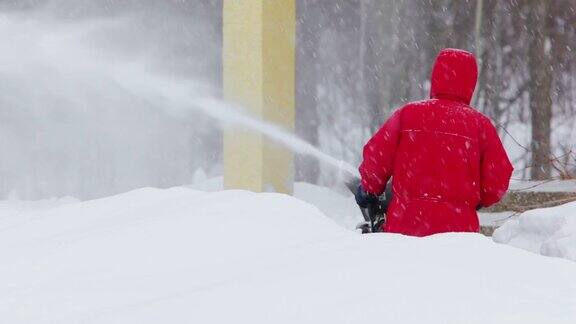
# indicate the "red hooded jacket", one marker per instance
pixel 445 157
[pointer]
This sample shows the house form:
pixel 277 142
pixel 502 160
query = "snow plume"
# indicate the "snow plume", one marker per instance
pixel 67 128
pixel 179 97
pixel 96 101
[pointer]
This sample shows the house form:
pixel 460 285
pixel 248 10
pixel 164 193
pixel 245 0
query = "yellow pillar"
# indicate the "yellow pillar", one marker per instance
pixel 259 74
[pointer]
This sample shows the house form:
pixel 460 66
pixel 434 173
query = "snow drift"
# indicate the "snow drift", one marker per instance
pixel 547 231
pixel 184 256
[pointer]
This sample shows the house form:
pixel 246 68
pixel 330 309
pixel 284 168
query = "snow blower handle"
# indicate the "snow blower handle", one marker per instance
pixel 374 214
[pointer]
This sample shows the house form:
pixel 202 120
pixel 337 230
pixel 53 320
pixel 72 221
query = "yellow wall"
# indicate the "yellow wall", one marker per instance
pixel 259 74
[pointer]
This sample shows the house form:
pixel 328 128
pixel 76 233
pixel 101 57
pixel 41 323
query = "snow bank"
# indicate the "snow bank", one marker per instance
pixel 547 231
pixel 184 256
pixel 339 207
pixel 14 211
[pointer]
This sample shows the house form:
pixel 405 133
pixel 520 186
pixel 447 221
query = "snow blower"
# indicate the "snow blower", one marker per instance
pixel 375 214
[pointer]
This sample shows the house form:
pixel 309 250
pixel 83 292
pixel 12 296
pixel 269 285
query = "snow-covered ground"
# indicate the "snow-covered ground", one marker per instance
pixel 547 231
pixel 496 219
pixel 185 256
pixel 544 185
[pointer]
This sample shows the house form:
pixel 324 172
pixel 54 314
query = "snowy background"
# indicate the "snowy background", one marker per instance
pixel 77 119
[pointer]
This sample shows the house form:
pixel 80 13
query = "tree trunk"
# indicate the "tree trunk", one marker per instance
pixel 540 88
pixel 376 36
pixel 307 121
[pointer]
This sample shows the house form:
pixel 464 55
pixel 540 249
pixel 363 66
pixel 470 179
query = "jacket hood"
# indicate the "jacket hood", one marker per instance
pixel 454 75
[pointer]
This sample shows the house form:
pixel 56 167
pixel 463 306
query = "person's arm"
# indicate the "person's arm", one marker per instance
pixel 379 155
pixel 495 169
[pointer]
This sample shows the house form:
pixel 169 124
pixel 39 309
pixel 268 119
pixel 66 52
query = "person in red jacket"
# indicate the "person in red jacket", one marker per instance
pixel 445 158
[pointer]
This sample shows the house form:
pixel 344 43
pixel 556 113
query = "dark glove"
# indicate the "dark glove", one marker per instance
pixel 364 199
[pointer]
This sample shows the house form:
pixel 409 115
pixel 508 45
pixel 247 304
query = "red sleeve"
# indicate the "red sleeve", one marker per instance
pixel 495 169
pixel 379 155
